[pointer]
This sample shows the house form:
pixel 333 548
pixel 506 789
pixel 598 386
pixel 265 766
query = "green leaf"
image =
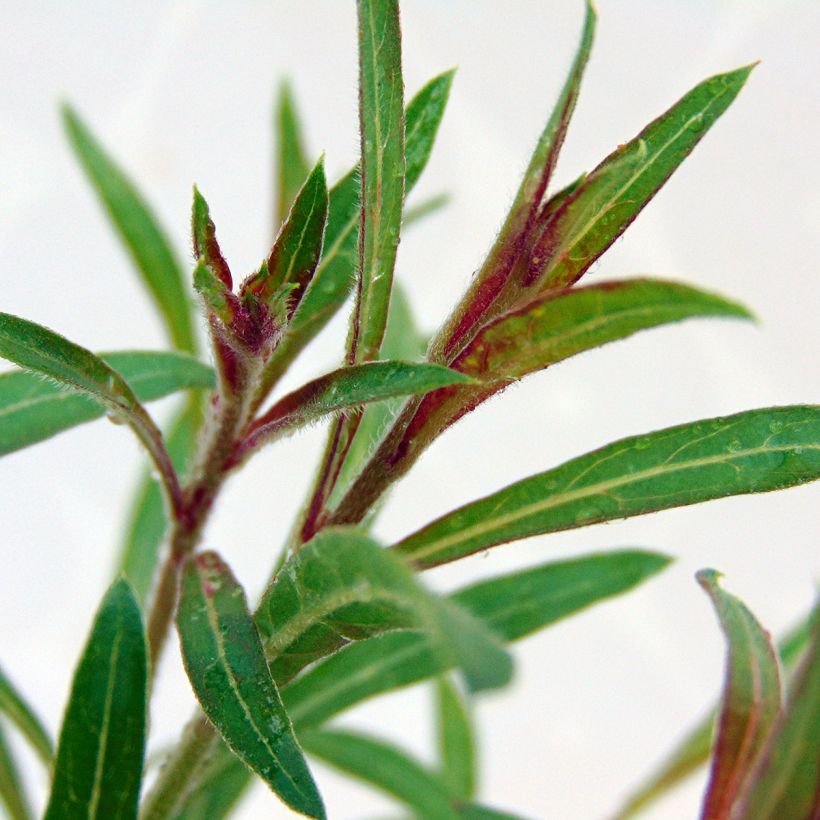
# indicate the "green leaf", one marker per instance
pixel 610 197
pixel 421 211
pixel 696 747
pixel 206 246
pixel 292 167
pixel 32 410
pixel 751 700
pixel 344 587
pixel 385 767
pixel 227 669
pixel 751 452
pixel 456 740
pixel 335 273
pixel 15 708
pixel 348 387
pixel 557 326
pixel 512 606
pixel 138 228
pixel 148 519
pixel 476 812
pixel 786 781
pixel 37 348
pixel 12 795
pixel 298 246
pixel 521 221
pixel 102 740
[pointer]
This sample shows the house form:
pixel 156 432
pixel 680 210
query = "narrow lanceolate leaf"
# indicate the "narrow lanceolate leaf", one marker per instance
pixel 148 519
pixel 37 348
pixel 381 122
pixel 205 243
pixel 227 669
pixel 15 708
pixel 139 230
pixel 219 789
pixel 786 781
pixel 343 587
pixel 32 409
pixel 516 233
pixel 751 699
pixel 694 750
pixel 349 387
pixel 12 795
pixel 102 740
pixel 335 273
pixel 292 168
pixel 456 740
pixel 614 193
pixel 555 327
pixel 512 606
pixel 298 246
pixel 385 767
pixel 751 452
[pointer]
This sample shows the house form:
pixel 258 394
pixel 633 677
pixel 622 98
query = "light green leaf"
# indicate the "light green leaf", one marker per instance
pixel 227 669
pixel 424 209
pixel 512 606
pixel 15 708
pixel 33 410
pixel 348 387
pixel 12 795
pixel 292 167
pixel 786 780
pixel 612 195
pixel 751 452
pixel 344 587
pixel 148 518
pixel 696 747
pixel 205 244
pixel 456 740
pixel 102 740
pixel 219 789
pixel 139 230
pixel 385 767
pixel 37 348
pixel 751 700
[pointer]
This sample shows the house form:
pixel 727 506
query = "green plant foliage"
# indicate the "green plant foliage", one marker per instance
pixel 14 707
pixel 224 661
pixel 12 795
pixel 292 168
pixel 102 741
pixel 456 740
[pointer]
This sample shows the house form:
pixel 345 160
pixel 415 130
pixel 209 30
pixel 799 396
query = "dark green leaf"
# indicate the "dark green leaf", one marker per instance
pixel 512 606
pixel 344 587
pixel 348 387
pixel 696 747
pixel 102 740
pixel 751 700
pixel 475 812
pixel 292 168
pixel 14 707
pixel 148 519
pixel 456 740
pixel 37 348
pixel 139 230
pixel 423 118
pixel 227 669
pixel 12 795
pixel 786 781
pixel 385 767
pixel 755 451
pixel 32 409
pixel 610 197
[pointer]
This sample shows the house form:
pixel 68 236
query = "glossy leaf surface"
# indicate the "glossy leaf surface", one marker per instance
pixel 292 167
pixel 612 195
pixel 751 700
pixel 32 409
pixel 385 767
pixel 755 451
pixel 102 741
pixel 227 669
pixel 512 606
pixel 12 795
pixel 456 740
pixel 15 708
pixel 344 587
pixel 138 228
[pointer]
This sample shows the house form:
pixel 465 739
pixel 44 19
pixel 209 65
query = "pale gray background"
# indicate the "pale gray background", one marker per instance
pixel 181 92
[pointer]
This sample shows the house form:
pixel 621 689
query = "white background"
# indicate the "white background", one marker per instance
pixel 181 92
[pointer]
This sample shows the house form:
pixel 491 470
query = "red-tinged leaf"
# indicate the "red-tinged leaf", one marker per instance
pixel 751 699
pixel 205 243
